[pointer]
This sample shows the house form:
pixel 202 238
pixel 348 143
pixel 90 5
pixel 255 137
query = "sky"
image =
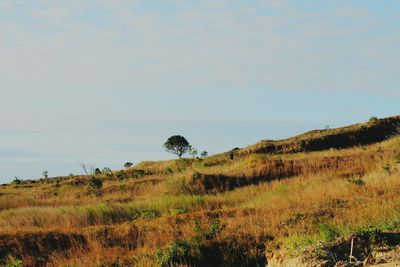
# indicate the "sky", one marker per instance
pixel 106 82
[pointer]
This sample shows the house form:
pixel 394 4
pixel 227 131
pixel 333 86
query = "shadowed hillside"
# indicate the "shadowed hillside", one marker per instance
pixel 375 130
pixel 294 202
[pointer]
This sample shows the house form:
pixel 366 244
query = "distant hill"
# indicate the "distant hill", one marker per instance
pixel 373 131
pixel 301 201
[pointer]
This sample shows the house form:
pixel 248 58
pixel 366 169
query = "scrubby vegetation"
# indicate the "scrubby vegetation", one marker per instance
pixel 304 200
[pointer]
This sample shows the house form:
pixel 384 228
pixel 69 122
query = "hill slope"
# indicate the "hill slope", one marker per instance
pixel 297 201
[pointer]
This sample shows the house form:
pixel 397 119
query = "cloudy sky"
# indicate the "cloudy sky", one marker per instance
pixel 105 82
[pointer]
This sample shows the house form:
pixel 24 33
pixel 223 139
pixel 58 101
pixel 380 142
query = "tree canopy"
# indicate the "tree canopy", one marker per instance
pixel 177 144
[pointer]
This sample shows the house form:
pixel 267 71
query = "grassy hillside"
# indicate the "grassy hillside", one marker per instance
pixel 295 201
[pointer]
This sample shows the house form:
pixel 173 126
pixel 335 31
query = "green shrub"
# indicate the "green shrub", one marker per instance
pixel 387 169
pixel 189 252
pixel 209 233
pixel 358 182
pixel 16 263
pixel 328 232
pixel 295 218
pixel 302 144
pixel 95 185
pixel 392 225
pixel 97 171
pixel 149 214
pixel 138 173
pixel 178 211
pixel 178 253
pixel 106 170
pixel 168 171
pixel 120 175
pixel 17 181
pixel 371 233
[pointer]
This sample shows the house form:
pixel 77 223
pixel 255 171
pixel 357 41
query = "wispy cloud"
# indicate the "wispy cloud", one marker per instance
pixel 204 44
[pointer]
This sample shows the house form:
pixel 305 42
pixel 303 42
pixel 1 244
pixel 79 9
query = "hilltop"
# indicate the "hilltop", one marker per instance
pixel 300 201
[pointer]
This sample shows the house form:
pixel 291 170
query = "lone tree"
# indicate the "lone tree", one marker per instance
pixel 128 164
pixel 177 144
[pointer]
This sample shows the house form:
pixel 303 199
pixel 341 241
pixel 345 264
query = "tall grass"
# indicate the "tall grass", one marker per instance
pixel 102 213
pixel 290 213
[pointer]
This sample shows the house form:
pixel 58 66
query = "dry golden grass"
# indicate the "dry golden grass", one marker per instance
pixel 135 217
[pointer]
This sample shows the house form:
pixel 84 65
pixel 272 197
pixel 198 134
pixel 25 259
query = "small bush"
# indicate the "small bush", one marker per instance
pixel 190 252
pixel 328 232
pixel 357 182
pixel 17 181
pixel 296 243
pixel 180 252
pixel 16 263
pixel 169 171
pixel 106 170
pixel 138 173
pixel 302 144
pixel 120 175
pixel 149 214
pixel 178 211
pixel 295 218
pixel 373 234
pixel 387 168
pixel 97 171
pixel 392 225
pixel 210 233
pixel 95 185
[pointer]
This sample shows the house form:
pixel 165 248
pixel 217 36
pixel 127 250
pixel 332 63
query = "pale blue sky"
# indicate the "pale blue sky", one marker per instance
pixel 105 82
